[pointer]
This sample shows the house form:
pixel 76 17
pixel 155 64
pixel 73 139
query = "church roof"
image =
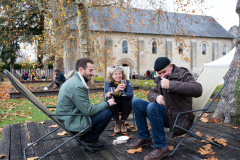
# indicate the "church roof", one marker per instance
pixel 116 19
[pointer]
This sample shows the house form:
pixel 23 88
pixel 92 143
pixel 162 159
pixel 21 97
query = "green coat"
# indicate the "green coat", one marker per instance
pixel 73 98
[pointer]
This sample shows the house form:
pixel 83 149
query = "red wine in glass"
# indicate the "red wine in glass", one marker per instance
pixel 112 91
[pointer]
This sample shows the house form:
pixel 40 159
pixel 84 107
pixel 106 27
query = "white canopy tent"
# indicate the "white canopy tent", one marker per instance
pixel 210 77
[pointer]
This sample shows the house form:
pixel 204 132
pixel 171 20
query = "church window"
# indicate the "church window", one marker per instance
pixel 124 47
pixel 203 49
pixel 224 49
pixel 180 50
pixel 154 48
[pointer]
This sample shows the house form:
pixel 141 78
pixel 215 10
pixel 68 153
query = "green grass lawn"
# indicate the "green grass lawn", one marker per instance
pixel 22 110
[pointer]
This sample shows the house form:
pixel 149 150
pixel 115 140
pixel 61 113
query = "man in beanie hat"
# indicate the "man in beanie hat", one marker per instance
pixel 172 94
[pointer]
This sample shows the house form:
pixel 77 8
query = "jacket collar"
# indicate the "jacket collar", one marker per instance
pixel 77 74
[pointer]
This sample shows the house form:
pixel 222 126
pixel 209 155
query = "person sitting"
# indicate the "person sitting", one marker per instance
pixel 172 94
pixel 43 76
pixel 33 75
pixel 73 98
pixel 124 103
pixel 58 79
pixel 25 76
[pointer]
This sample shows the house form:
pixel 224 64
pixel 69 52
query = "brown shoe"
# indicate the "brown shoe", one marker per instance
pixel 117 127
pixel 140 142
pixel 157 153
pixel 123 127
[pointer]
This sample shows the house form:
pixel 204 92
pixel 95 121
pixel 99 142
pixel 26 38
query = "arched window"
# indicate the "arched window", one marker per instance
pixel 204 49
pixel 180 50
pixel 224 49
pixel 124 47
pixel 154 47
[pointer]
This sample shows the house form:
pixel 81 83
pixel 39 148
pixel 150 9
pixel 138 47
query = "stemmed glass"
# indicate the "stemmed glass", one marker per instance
pixel 125 83
pixel 111 89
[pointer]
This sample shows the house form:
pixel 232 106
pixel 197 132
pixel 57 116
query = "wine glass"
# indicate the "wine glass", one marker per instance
pixel 125 83
pixel 111 89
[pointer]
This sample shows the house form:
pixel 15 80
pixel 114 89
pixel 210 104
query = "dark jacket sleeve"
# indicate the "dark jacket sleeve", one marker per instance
pixel 107 86
pixel 188 87
pixel 153 94
pixel 60 77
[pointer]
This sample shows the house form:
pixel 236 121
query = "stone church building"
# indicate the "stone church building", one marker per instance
pixel 136 37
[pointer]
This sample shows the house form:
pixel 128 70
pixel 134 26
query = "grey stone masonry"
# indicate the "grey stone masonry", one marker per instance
pixel 215 50
pixel 109 45
pixel 169 48
pixel 140 59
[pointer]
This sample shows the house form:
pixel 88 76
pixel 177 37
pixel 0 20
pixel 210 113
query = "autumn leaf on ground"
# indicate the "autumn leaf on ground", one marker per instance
pixel 31 143
pixel 207 147
pixel 62 133
pixel 205 120
pixel 214 120
pixel 52 109
pixel 235 127
pixel 24 124
pixel 212 158
pixel 171 148
pixel 125 134
pixel 134 130
pixel 203 141
pixel 112 135
pixel 1 130
pixel 199 134
pixel 27 121
pixel 33 158
pixel 130 136
pixel 128 127
pixel 126 124
pixel 204 152
pixel 52 126
pixel 3 156
pixel 113 127
pixel 132 151
pixel 29 134
pixel 222 142
pixel 42 122
pixel 210 138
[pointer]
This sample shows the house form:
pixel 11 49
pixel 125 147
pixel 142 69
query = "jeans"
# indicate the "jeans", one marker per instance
pixel 57 83
pixel 157 116
pixel 99 123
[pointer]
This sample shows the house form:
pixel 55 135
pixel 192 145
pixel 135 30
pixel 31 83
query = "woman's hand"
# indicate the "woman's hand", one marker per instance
pixel 120 87
pixel 108 95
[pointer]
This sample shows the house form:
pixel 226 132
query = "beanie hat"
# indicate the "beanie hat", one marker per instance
pixel 161 63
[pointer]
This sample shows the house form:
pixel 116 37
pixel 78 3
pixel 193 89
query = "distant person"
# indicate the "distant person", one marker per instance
pixel 148 75
pixel 134 76
pixel 25 76
pixel 58 79
pixel 33 75
pixel 145 75
pixel 153 75
pixel 43 76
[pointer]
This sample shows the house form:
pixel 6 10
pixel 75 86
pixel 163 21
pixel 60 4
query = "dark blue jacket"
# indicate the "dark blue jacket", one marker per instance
pixel 128 91
pixel 60 77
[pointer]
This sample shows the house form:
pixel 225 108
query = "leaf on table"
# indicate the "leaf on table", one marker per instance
pixel 3 156
pixel 125 134
pixel 33 158
pixel 222 142
pixel 207 147
pixel 205 120
pixel 112 135
pixel 52 109
pixel 62 133
pixel 130 136
pixel 199 134
pixel 204 152
pixel 42 122
pixel 31 143
pixel 53 126
pixel 171 148
pixel 132 151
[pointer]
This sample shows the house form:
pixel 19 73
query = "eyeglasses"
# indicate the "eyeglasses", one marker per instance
pixel 116 67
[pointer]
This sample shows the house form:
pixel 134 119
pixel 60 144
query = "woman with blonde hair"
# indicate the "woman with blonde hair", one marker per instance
pixel 123 94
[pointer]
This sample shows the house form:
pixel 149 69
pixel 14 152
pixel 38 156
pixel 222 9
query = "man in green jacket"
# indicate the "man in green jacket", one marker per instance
pixel 73 98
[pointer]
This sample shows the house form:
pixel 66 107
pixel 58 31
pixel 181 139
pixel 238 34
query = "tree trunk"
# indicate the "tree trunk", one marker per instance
pixel 227 104
pixel 11 67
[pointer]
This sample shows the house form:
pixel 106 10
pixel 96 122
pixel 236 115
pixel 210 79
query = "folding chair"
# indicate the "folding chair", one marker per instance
pixel 209 79
pixel 69 74
pixel 127 71
pixel 22 89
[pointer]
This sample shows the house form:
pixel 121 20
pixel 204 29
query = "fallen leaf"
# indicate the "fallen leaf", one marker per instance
pixel 214 120
pixel 113 127
pixel 3 156
pixel 207 147
pixel 132 151
pixel 171 148
pixel 112 135
pixel 31 143
pixel 205 120
pixel 212 158
pixel 125 134
pixel 204 152
pixel 52 126
pixel 29 134
pixel 1 130
pixel 134 130
pixel 199 134
pixel 24 124
pixel 126 124
pixel 52 109
pixel 33 158
pixel 235 127
pixel 131 136
pixel 222 142
pixel 128 127
pixel 27 121
pixel 62 133
pixel 203 141
pixel 42 122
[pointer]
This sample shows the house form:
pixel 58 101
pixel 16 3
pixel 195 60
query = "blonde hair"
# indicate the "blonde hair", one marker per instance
pixel 110 74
